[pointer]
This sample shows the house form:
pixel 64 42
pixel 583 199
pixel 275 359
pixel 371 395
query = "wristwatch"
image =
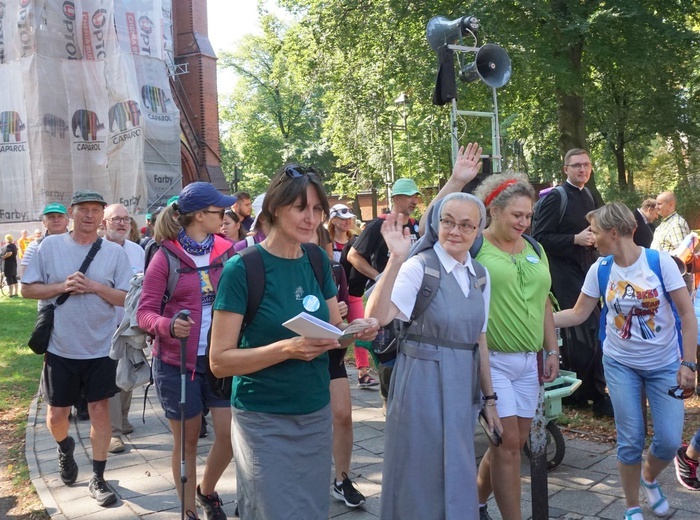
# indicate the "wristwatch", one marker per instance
pixel 692 366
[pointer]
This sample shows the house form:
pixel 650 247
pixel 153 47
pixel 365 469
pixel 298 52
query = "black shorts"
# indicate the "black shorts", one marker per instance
pixel 336 363
pixel 65 380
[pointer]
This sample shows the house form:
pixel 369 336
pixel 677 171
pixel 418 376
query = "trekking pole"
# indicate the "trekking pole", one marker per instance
pixel 185 315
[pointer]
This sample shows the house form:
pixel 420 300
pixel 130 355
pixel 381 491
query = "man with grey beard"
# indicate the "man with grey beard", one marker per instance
pixel 117 224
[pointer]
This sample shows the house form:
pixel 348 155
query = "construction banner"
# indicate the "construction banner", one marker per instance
pixel 84 99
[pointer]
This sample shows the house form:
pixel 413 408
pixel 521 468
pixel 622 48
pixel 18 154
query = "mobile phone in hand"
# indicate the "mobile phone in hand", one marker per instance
pixel 493 436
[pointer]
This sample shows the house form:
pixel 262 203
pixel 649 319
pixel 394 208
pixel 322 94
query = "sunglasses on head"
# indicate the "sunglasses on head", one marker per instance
pixel 343 211
pixel 681 393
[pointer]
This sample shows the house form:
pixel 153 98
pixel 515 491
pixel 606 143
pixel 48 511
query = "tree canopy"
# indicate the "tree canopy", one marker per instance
pixel 619 78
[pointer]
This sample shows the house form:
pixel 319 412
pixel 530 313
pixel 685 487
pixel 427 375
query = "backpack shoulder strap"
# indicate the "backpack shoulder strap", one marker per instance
pixel 250 240
pixel 173 276
pixel 314 252
pixel 480 271
pixel 255 280
pixel 654 261
pixel 604 268
pixel 535 245
pixel 564 200
pixel 476 246
pixel 590 194
pixel 430 283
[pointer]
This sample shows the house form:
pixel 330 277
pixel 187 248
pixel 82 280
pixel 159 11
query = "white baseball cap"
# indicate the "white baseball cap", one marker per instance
pixel 257 208
pixel 341 211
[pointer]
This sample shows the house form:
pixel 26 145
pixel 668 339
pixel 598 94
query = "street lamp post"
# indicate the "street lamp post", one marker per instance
pixel 402 102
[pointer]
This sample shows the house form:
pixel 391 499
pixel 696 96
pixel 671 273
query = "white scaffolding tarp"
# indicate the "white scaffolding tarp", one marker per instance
pixel 84 100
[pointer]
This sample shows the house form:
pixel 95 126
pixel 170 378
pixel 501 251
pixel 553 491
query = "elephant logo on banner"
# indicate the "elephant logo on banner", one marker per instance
pixel 88 123
pixel 11 123
pixel 55 126
pixel 123 112
pixel 154 98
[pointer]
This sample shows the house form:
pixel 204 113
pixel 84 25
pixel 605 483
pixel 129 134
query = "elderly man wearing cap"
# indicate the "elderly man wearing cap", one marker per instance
pixel 77 360
pixel 370 254
pixel 55 219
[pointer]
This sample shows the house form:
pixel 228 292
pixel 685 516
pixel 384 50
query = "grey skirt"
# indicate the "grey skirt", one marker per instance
pixel 283 464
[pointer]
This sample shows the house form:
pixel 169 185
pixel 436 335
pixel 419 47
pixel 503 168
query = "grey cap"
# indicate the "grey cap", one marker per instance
pixel 81 196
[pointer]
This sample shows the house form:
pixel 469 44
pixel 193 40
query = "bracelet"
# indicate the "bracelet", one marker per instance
pixel 490 404
pixel 551 353
pixel 493 397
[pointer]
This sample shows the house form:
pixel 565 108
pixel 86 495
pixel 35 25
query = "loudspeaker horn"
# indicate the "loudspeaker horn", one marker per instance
pixel 491 65
pixel 441 31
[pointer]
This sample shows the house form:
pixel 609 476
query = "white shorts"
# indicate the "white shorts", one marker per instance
pixel 514 378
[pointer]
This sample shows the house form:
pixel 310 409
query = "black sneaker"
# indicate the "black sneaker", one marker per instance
pixel 686 470
pixel 483 513
pixel 211 504
pixel 101 492
pixel 348 492
pixel 66 464
pixel 203 428
pixel 367 381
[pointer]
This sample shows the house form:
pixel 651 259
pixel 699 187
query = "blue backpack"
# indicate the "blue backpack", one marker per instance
pixel 655 265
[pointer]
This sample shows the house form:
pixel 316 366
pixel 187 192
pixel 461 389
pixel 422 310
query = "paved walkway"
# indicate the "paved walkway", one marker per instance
pixel 585 486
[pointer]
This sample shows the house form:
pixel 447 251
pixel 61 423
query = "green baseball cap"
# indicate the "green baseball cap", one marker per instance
pixel 81 196
pixel 54 207
pixel 171 200
pixel 405 187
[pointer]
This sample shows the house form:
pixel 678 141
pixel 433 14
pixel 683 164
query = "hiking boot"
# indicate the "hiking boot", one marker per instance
pixel 66 464
pixel 367 381
pixel 347 492
pixel 211 504
pixel 686 470
pixel 116 445
pixel 483 513
pixel 101 492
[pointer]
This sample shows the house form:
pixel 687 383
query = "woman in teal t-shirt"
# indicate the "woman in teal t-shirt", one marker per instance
pixel 281 426
pixel 520 322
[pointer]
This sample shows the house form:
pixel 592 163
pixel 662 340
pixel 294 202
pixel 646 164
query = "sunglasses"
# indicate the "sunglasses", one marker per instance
pixel 219 212
pixel 340 212
pixel 681 393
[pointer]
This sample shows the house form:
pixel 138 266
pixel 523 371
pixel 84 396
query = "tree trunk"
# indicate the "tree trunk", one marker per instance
pixel 619 150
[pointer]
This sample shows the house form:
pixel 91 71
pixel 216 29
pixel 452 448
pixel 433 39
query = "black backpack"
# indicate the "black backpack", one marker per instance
pixel 255 280
pixel 564 200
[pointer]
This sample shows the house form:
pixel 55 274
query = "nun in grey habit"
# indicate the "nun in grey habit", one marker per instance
pixel 429 463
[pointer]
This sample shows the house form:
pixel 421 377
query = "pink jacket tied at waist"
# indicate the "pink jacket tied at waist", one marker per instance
pixel 187 296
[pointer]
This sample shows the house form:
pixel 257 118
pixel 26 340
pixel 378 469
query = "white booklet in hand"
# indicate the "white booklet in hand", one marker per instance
pixel 309 326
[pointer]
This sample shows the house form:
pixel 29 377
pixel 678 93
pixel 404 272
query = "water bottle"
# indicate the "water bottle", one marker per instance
pixel 383 340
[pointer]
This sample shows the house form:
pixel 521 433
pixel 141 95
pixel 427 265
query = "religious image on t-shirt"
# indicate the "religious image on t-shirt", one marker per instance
pixel 207 288
pixel 634 309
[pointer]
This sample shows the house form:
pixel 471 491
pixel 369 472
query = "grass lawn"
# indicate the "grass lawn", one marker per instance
pixel 20 369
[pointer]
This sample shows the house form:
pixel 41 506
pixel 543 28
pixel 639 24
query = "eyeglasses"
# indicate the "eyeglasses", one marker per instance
pixel 578 165
pixel 681 393
pixel 464 227
pixel 119 220
pixel 219 212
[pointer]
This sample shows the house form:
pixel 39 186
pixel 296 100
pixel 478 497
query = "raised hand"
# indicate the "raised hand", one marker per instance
pixel 468 163
pixel 396 236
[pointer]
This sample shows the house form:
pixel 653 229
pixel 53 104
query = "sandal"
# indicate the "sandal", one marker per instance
pixel 655 497
pixel 634 514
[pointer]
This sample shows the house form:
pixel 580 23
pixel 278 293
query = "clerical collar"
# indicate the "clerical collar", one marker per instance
pixel 571 184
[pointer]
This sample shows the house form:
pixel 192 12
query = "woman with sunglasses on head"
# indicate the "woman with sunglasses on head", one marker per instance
pixel 342 230
pixel 199 211
pixel 280 399
pixel 641 348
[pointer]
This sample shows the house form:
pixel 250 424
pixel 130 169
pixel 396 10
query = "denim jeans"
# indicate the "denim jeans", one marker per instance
pixel 625 385
pixel 696 441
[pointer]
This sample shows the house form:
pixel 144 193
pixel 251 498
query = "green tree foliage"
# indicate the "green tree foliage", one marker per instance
pixel 620 78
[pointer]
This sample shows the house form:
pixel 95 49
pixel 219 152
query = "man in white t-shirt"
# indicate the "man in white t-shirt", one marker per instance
pixel 117 224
